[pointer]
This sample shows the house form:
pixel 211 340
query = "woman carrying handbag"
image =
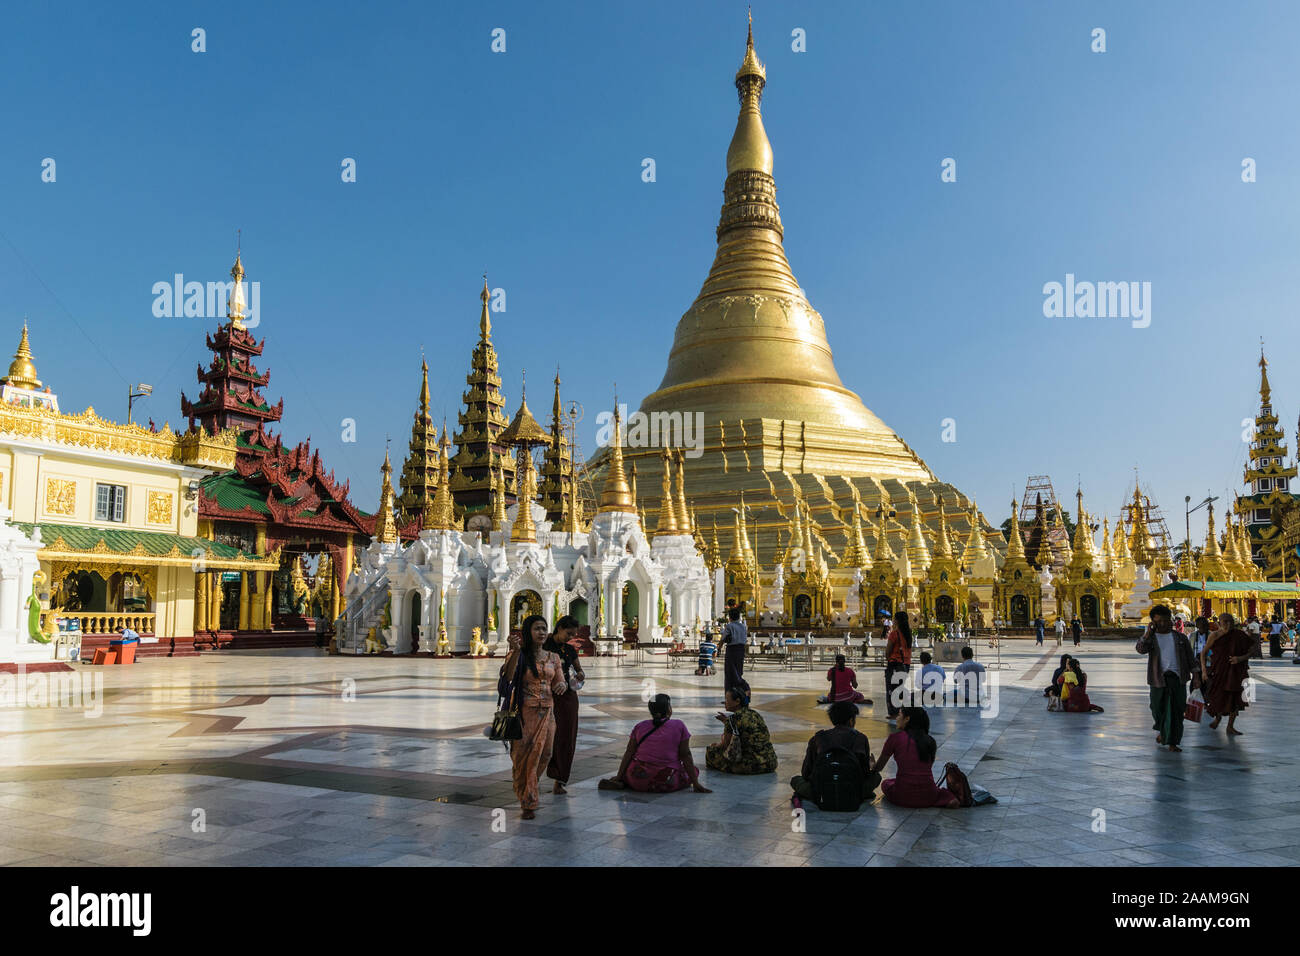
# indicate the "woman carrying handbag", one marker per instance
pixel 539 679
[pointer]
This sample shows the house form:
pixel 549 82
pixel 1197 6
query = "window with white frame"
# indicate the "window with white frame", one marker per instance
pixel 110 503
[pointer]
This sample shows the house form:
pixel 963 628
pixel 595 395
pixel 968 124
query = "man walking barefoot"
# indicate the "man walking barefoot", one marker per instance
pixel 1169 667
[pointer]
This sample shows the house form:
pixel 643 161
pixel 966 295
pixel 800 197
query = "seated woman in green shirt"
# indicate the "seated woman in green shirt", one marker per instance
pixel 745 746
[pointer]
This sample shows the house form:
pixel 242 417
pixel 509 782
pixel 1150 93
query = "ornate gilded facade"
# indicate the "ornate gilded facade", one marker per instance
pixel 1269 481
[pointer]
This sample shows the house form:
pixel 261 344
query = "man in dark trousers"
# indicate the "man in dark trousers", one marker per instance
pixel 1076 628
pixel 1169 668
pixel 1040 626
pixel 735 636
pixel 842 735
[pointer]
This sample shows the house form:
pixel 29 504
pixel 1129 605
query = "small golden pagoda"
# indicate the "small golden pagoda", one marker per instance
pixel 22 371
pixel 385 524
pixel 1087 586
pixel 1018 595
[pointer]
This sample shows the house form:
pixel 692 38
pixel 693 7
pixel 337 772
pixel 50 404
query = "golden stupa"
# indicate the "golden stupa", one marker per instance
pixel 752 357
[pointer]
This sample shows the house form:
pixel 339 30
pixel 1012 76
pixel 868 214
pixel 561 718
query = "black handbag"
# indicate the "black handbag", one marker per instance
pixel 507 724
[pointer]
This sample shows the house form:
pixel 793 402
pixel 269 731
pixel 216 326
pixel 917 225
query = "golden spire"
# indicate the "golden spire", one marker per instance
pixel 1058 524
pixel 236 304
pixel 499 517
pixel 741 552
pixel 1265 393
pixel 856 555
pixel 943 547
pixel 667 524
pixel 750 149
pixel 616 496
pixel 1251 567
pixel 1015 547
pixel 385 526
pixel 524 429
pixel 440 512
pixel 22 371
pixel 1213 567
pixel 524 530
pixel 809 553
pixel 1122 554
pixel 715 552
pixel 484 322
pixel 1108 552
pixel 631 478
pixel 918 553
pixel 1082 528
pixel 884 555
pixel 976 547
pixel 683 514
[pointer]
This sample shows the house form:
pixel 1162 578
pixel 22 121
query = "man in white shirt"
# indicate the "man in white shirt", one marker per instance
pixel 968 679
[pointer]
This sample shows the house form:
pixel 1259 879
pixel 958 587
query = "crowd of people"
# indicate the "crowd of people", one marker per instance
pixel 543 673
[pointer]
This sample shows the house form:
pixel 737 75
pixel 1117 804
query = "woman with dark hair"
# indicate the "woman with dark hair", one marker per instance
pixel 566 704
pixel 844 683
pixel 1078 702
pixel 898 661
pixel 1054 688
pixel 913 750
pixel 537 677
pixel 1224 668
pixel 745 746
pixel 658 755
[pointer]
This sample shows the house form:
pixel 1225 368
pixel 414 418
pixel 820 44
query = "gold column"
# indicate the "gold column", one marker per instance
pixel 201 601
pixel 257 619
pixel 243 600
pixel 214 601
pixel 267 609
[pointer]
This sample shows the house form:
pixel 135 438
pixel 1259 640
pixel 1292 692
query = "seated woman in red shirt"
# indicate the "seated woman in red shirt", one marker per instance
pixel 844 684
pixel 913 750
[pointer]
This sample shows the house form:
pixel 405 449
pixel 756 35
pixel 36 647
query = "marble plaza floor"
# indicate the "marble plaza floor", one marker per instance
pixel 297 758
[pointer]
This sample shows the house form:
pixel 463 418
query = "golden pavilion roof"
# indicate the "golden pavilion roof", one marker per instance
pixel 524 429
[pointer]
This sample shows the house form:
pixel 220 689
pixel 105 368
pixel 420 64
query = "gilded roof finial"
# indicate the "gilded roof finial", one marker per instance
pixel 22 371
pixel 750 148
pixel 385 526
pixel 667 524
pixel 485 323
pixel 236 303
pixel 683 513
pixel 1265 393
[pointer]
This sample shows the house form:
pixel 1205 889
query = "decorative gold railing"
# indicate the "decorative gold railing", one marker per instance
pixel 102 622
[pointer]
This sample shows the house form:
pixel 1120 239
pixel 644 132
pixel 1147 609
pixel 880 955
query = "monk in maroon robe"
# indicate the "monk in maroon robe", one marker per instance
pixel 1227 651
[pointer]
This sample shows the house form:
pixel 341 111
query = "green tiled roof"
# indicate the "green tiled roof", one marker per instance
pixel 155 544
pixel 233 493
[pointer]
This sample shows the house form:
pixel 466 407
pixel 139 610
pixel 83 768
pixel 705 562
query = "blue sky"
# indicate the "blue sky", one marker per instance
pixel 1122 166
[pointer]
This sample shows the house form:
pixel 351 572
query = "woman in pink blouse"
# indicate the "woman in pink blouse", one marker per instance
pixel 913 750
pixel 538 679
pixel 658 755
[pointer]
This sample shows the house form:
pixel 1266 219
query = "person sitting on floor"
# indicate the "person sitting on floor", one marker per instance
pixel 933 681
pixel 913 750
pixel 844 683
pixel 658 755
pixel 1078 702
pixel 1054 688
pixel 745 746
pixel 968 679
pixel 836 772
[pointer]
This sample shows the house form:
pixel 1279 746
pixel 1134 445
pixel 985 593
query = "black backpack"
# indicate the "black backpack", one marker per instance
pixel 837 780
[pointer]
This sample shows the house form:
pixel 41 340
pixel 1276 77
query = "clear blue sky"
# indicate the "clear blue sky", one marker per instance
pixel 1117 166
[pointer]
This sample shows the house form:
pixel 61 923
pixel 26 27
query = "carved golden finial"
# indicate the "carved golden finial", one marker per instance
pixel 499 517
pixel 524 529
pixel 22 371
pixel 440 513
pixel 1015 547
pixel 1265 392
pixel 750 148
pixel 975 544
pixel 484 322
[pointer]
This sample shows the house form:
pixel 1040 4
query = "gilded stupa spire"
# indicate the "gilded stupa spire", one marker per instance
pixel 524 530
pixel 683 513
pixel 22 371
pixel 631 483
pixel 1265 392
pixel 557 464
pixel 715 552
pixel 667 524
pixel 1015 547
pixel 884 555
pixel 419 478
pixel 1213 567
pixel 385 526
pixel 943 547
pixel 1061 534
pixel 976 547
pixel 1082 528
pixel 1108 552
pixel 918 552
pixel 484 319
pixel 856 554
pixel 499 517
pixel 616 495
pixel 440 512
pixel 236 303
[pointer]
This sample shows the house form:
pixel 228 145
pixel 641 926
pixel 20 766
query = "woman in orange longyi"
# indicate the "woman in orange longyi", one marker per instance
pixel 538 679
